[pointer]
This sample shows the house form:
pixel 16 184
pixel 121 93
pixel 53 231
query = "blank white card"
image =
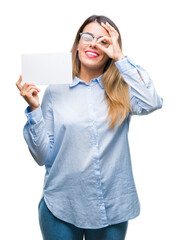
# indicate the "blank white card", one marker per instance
pixel 45 69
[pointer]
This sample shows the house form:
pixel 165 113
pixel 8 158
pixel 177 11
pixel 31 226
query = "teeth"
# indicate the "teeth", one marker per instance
pixel 94 54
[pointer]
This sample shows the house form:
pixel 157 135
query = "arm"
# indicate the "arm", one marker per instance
pixel 143 96
pixel 39 131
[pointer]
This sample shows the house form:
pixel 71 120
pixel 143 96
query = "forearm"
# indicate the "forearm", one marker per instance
pixel 38 139
pixel 144 98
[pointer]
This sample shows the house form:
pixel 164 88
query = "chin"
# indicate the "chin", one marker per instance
pixel 93 65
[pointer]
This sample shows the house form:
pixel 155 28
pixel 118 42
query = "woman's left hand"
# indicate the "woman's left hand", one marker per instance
pixel 113 50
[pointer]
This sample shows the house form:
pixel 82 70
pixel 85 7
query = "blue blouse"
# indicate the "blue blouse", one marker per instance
pixel 89 181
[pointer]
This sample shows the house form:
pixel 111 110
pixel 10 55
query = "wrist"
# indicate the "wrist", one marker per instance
pixel 119 57
pixel 32 108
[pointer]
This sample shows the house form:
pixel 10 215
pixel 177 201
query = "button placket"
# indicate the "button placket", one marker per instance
pixel 96 160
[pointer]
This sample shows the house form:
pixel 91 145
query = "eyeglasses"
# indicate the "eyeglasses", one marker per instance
pixel 87 38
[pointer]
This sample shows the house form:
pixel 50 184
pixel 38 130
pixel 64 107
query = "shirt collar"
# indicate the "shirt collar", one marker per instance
pixel 77 80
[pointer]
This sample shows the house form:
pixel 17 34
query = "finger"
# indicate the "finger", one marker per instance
pixel 108 29
pixel 33 92
pixel 111 27
pixel 29 91
pixel 101 47
pixel 18 83
pixel 104 38
pixel 27 85
pixel 32 86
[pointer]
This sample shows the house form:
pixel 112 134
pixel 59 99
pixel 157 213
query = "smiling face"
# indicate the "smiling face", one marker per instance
pixel 92 58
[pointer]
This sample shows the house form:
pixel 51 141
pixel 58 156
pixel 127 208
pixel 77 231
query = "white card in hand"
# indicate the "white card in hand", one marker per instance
pixel 45 69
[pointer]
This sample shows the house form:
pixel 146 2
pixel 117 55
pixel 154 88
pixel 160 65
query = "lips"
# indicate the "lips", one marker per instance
pixel 91 54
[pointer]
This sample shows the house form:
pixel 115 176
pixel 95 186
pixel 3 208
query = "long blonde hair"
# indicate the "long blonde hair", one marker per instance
pixel 116 89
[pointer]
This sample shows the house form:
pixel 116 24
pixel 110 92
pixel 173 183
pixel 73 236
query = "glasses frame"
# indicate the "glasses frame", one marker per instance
pixel 93 37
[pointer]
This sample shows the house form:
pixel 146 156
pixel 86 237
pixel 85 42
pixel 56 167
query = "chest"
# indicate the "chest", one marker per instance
pixel 80 106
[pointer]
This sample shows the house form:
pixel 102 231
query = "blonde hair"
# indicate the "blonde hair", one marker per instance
pixel 116 89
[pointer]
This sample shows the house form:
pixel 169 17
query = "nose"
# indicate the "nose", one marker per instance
pixel 93 42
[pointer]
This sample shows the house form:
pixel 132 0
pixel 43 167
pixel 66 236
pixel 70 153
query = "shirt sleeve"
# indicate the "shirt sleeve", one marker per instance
pixel 143 96
pixel 39 130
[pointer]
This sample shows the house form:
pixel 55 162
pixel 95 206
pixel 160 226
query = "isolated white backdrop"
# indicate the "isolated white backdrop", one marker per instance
pixel 150 37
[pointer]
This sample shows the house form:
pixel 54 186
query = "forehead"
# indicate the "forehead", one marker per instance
pixel 96 29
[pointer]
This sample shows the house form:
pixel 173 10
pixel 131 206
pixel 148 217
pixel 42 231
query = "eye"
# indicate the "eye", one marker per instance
pixel 87 37
pixel 104 42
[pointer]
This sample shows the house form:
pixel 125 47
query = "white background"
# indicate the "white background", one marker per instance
pixel 150 37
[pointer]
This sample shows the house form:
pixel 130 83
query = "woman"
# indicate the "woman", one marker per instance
pixel 80 134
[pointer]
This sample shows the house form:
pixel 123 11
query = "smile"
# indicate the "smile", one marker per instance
pixel 91 54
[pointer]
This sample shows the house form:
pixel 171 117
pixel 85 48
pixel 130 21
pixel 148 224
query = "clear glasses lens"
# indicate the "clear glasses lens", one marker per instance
pixel 87 38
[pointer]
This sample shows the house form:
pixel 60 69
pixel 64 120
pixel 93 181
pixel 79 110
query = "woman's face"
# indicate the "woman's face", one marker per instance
pixel 97 59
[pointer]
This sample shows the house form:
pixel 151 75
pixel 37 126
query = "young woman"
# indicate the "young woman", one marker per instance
pixel 80 134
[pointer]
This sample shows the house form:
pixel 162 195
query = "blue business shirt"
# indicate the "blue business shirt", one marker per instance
pixel 89 180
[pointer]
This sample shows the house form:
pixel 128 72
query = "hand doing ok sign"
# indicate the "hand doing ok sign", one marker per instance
pixel 113 51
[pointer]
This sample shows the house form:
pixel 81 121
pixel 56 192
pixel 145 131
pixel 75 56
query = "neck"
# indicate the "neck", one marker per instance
pixel 87 75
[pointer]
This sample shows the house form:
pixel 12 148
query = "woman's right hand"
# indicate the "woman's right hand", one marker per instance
pixel 29 92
